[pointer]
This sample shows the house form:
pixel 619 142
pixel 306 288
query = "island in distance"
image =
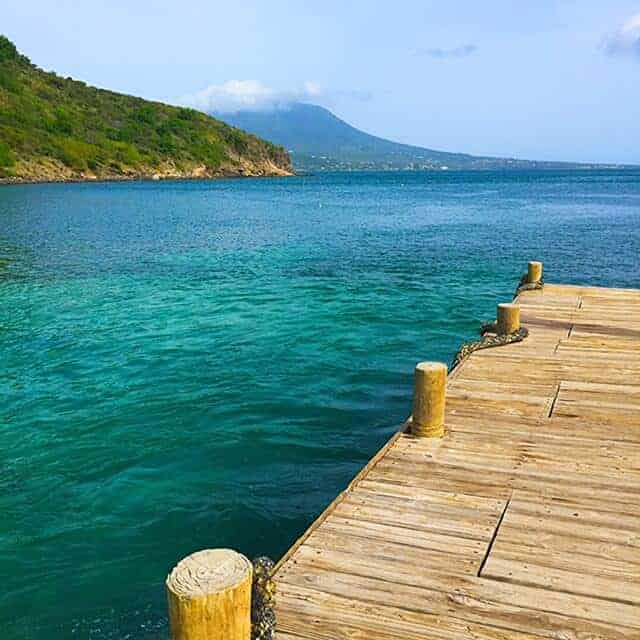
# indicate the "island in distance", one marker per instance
pixel 318 140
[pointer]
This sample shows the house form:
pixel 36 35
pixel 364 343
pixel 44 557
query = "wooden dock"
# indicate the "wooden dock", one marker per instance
pixel 522 522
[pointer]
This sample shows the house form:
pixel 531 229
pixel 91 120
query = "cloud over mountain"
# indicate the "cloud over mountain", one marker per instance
pixel 626 40
pixel 238 95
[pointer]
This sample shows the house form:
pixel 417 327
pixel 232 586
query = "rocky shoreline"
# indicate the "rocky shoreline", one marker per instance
pixel 54 172
pixel 8 182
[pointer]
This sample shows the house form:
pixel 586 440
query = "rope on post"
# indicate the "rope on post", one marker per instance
pixel 531 280
pixel 506 330
pixel 487 341
pixel 263 600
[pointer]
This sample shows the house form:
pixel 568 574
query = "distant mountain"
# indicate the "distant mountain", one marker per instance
pixel 318 140
pixel 56 129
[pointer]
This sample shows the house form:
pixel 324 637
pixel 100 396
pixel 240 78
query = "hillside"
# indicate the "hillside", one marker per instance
pixel 318 140
pixel 54 129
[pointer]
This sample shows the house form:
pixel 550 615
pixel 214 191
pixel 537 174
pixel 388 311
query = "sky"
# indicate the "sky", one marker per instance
pixel 541 79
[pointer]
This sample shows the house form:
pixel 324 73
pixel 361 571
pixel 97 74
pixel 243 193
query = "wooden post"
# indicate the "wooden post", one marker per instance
pixel 428 400
pixel 534 272
pixel 209 595
pixel 508 318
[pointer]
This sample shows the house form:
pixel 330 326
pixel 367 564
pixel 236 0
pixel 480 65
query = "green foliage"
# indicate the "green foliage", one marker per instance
pixel 7 161
pixel 43 117
pixel 7 158
pixel 60 123
pixel 8 50
pixel 74 153
pixel 238 140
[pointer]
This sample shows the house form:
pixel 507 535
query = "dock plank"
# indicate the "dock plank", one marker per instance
pixel 522 522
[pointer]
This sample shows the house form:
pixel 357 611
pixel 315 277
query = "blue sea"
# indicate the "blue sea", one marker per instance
pixel 205 364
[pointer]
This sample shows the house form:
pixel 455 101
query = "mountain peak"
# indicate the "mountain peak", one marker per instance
pixel 319 140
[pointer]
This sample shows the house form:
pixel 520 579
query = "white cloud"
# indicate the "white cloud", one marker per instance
pixel 626 40
pixel 238 95
pixel 312 89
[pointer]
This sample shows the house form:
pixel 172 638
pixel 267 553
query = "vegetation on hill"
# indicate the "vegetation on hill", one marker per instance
pixel 54 128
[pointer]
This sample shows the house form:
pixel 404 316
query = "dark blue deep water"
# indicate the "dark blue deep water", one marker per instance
pixel 188 365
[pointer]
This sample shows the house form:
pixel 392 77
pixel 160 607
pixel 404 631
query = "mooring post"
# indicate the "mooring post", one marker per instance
pixel 428 400
pixel 209 596
pixel 508 318
pixel 534 272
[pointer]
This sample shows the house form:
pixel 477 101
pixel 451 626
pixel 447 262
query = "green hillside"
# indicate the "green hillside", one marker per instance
pixel 54 128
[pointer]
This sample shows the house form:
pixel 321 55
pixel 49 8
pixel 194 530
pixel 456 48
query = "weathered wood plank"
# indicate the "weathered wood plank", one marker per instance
pixel 522 522
pixel 329 617
pixel 519 568
pixel 508 606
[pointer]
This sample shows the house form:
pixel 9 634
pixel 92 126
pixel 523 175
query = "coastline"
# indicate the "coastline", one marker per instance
pixel 15 182
pixel 279 173
pixel 249 170
pixel 49 170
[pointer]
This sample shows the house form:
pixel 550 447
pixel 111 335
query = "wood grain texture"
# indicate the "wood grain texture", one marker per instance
pixel 209 596
pixel 523 521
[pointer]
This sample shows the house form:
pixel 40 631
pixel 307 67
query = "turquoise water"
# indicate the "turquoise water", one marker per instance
pixel 188 365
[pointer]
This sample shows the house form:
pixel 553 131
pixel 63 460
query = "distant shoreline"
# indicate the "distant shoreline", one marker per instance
pixel 9 182
pixel 302 173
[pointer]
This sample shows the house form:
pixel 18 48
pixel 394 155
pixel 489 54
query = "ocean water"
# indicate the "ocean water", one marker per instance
pixel 205 364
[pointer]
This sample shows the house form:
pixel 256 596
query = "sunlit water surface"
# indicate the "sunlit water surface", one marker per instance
pixel 200 364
